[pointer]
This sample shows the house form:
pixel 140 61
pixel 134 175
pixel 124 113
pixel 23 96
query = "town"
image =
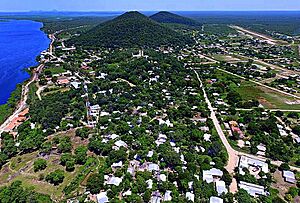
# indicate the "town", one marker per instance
pixel 216 120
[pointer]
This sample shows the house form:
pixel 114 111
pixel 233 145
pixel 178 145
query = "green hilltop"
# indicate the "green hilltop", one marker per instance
pixel 132 29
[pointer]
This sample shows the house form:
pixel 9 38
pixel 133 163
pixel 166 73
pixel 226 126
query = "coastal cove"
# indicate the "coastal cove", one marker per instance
pixel 21 41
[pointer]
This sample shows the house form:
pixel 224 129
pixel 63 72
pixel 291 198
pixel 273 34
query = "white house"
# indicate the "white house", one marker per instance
pixel 289 177
pixel 252 189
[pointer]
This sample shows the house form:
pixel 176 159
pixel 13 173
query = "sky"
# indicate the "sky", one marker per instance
pixel 148 5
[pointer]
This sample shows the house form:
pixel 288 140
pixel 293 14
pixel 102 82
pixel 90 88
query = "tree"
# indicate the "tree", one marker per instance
pixel 227 178
pixel 296 129
pixel 284 167
pixel 16 193
pixel 80 155
pixel 46 147
pixel 65 145
pixel 39 164
pixel 288 197
pixel 70 165
pixel 95 183
pixel 56 177
pixel 65 158
pixel 293 191
pixel 147 196
pixel 243 196
pixel 83 133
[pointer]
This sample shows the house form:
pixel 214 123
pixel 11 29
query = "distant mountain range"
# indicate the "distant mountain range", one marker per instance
pixel 132 29
pixel 171 18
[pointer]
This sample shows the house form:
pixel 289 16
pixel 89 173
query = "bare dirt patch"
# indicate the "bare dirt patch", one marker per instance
pixel 280 184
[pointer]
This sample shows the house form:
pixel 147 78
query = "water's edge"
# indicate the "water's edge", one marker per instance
pixel 27 69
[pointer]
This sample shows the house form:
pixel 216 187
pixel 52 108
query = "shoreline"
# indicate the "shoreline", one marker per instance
pixel 31 71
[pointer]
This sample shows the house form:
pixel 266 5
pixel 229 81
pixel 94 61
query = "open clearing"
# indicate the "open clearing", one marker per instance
pixel 268 98
pixel 226 58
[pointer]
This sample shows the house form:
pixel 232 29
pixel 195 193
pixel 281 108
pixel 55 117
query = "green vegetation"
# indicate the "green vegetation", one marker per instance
pixel 39 164
pixel 16 193
pixel 88 167
pixel 7 109
pixel 54 70
pixel 218 30
pixel 171 18
pixel 269 99
pixel 131 29
pixel 54 107
pixel 56 177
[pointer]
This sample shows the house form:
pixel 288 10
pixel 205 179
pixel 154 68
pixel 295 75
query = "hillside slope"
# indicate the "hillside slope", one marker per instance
pixel 171 18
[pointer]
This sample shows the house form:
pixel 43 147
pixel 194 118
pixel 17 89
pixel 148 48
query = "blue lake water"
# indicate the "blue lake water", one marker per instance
pixel 21 41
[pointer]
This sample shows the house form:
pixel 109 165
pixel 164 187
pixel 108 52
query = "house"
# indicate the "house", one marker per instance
pixel 156 197
pixel 252 189
pixel 235 129
pixel 120 143
pixel 162 177
pixel 289 177
pixel 212 175
pixel 161 139
pixel 190 196
pixel 207 137
pixel 215 200
pixel 204 128
pixel 253 165
pixel 117 165
pixel 261 149
pixel 153 167
pixel 76 85
pixel 127 193
pixel 63 81
pixel 113 180
pixel 102 197
pixel 167 196
pixel 150 154
pixel 149 183
pixel 221 187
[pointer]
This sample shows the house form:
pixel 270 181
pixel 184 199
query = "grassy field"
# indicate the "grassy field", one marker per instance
pixel 268 98
pixel 226 58
pixel 55 70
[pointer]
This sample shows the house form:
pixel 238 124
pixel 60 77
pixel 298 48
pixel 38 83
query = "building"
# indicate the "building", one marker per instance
pixel 102 197
pixel 113 180
pixel 289 177
pixel 252 189
pixel 190 196
pixel 215 200
pixel 212 175
pixel 253 165
pixel 261 149
pixel 167 196
pixel 221 187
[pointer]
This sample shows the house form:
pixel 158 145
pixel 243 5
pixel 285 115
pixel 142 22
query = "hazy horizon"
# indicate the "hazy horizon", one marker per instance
pixel 147 5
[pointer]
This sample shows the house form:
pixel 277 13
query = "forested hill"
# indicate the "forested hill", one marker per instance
pixel 171 18
pixel 131 29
